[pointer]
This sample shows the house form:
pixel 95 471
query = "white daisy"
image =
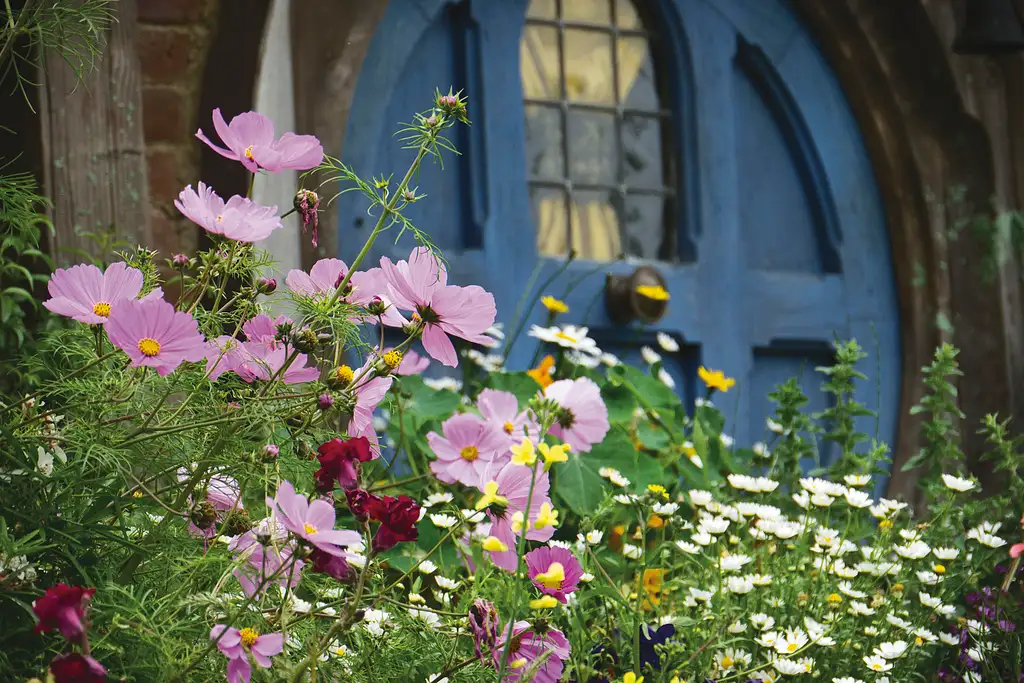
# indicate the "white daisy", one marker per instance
pixel 876 663
pixel 667 343
pixel 446 583
pixel 567 336
pixel 957 483
pixel 650 356
pixel 443 521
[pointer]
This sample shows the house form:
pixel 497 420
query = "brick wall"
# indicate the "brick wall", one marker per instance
pixel 174 38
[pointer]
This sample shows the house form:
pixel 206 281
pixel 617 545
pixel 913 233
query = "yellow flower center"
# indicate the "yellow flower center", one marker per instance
pixel 518 664
pixel 101 308
pixel 220 218
pixel 566 337
pixel 727 662
pixel 792 647
pixel 309 529
pixel 345 374
pixel 835 598
pixel 877 666
pixel 919 640
pixel 249 637
pixel 939 569
pixel 248 152
pixel 393 359
pixel 149 346
pixel 885 524
pixel 508 427
pixel 553 578
pixel 469 453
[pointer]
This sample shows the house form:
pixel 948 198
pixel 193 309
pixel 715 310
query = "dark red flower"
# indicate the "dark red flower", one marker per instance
pixel 76 668
pixel 483 621
pixel 397 517
pixel 339 462
pixel 359 502
pixel 332 565
pixel 63 608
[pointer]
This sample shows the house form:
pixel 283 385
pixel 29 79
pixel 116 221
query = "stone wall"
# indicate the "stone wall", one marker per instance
pixel 174 38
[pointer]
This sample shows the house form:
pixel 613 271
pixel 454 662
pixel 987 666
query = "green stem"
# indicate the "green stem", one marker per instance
pixel 521 550
pixel 227 274
pixel 387 209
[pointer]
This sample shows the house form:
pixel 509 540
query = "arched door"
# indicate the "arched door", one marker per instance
pixel 707 138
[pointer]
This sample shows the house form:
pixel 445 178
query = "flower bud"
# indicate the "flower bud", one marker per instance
pixel 266 285
pixel 325 401
pixel 283 332
pixel 179 260
pixel 307 204
pixel 377 306
pixel 431 121
pixel 270 452
pixel 305 340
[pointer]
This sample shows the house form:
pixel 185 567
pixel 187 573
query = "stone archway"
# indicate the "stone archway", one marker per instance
pixel 900 78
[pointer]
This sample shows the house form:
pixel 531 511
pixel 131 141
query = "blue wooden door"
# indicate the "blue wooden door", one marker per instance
pixel 707 138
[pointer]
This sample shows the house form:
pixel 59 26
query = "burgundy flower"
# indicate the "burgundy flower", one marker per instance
pixel 63 608
pixel 359 502
pixel 397 517
pixel 76 668
pixel 339 462
pixel 335 567
pixel 483 620
pixel 307 203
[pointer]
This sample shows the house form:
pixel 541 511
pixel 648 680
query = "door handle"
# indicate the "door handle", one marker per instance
pixel 625 302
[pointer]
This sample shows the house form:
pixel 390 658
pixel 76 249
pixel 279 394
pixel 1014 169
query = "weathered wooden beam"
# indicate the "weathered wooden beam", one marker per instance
pixel 94 166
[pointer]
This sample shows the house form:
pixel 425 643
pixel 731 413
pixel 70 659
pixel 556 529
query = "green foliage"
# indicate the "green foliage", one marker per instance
pixel 941 452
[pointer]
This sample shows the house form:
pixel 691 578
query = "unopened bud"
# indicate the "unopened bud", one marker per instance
pixel 179 260
pixel 305 340
pixel 409 196
pixel 431 121
pixel 325 401
pixel 266 285
pixel 270 452
pixel 377 306
pixel 283 331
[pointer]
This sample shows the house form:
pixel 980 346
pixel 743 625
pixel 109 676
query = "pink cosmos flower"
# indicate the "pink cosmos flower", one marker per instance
pixel 85 293
pixel 265 561
pixel 155 335
pixel 412 363
pixel 584 418
pixel 469 446
pixel 239 219
pixel 264 363
pixel 239 646
pixel 421 285
pixel 313 521
pixel 527 646
pixel 249 138
pixel 224 354
pixel 555 571
pixel 501 410
pixel 514 485
pixel 368 395
pixel 325 276
pixel 1016 550
pixel 262 329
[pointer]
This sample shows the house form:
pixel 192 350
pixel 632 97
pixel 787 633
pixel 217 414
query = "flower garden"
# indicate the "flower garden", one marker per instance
pixel 206 490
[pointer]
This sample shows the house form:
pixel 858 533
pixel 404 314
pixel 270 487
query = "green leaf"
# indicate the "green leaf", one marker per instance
pixel 652 436
pixel 579 485
pixel 653 391
pixel 620 402
pixel 427 403
pixel 519 383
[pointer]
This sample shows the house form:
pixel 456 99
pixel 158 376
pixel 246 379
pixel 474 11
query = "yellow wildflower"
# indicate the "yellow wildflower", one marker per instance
pixel 546 602
pixel 523 454
pixel 553 578
pixel 658 490
pixel 632 678
pixel 548 516
pixel 553 454
pixel 490 496
pixel 554 305
pixel 939 569
pixel 494 544
pixel 653 292
pixel 542 373
pixel 715 379
pixel 655 522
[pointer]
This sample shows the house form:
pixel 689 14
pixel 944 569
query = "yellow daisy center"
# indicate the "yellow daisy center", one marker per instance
pixel 149 346
pixel 249 637
pixel 727 662
pixel 309 529
pixel 101 308
pixel 345 374
pixel 469 453
pixel 508 427
pixel 567 337
pixel 792 647
pixel 393 359
pixel 248 152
